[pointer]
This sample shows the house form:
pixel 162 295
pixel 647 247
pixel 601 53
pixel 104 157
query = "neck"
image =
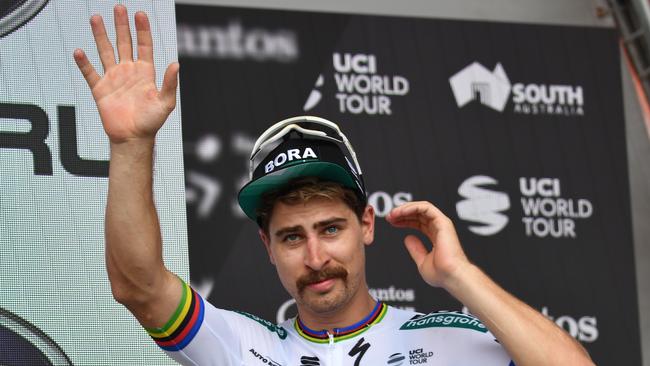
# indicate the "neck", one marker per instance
pixel 354 311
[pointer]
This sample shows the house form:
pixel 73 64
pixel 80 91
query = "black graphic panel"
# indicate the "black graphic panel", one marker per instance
pixel 515 131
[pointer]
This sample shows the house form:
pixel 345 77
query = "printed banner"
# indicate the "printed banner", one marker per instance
pixel 56 306
pixel 515 131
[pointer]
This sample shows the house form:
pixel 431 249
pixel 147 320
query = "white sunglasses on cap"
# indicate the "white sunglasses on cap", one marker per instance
pixel 273 135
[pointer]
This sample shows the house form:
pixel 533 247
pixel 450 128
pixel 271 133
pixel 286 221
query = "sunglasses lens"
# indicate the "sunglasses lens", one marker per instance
pixel 305 130
pixel 329 131
pixel 264 152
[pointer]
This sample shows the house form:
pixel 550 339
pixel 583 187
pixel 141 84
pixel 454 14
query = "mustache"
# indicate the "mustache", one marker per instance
pixel 322 275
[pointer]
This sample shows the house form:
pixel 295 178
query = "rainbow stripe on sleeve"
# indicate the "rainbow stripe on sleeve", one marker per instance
pixel 183 324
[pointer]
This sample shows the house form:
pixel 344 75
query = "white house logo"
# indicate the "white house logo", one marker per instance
pixel 360 88
pixel 493 88
pixel 14 14
pixel 482 205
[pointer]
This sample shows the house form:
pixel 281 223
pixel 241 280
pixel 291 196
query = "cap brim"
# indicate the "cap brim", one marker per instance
pixel 250 195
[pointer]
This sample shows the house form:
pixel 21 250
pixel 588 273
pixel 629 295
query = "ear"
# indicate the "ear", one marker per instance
pixel 267 244
pixel 368 225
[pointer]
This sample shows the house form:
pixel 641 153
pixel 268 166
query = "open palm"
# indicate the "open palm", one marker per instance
pixel 128 101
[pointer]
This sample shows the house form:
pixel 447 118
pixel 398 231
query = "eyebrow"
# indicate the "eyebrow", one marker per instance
pixel 328 222
pixel 298 228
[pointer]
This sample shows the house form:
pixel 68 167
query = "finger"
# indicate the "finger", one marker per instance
pixel 145 42
pixel 170 83
pixel 124 47
pixel 104 46
pixel 86 68
pixel 407 223
pixel 416 249
pixel 424 211
pixel 414 211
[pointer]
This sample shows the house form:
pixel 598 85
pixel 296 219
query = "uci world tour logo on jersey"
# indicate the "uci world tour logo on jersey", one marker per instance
pixel 396 359
pixel 482 205
pixel 476 82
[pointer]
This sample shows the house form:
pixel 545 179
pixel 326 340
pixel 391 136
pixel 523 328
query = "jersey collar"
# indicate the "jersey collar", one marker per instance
pixel 340 334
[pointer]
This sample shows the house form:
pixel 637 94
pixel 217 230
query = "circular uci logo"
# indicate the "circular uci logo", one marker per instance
pixel 24 344
pixel 15 13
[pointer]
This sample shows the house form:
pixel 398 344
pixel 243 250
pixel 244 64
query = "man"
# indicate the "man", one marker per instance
pixel 307 195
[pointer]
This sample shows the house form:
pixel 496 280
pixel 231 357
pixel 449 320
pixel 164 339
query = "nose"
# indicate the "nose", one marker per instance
pixel 316 256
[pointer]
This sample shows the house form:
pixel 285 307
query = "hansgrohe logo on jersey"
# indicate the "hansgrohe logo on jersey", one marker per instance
pixel 281 332
pixel 455 320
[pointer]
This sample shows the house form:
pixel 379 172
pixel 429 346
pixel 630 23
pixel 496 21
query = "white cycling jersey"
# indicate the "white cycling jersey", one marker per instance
pixel 200 334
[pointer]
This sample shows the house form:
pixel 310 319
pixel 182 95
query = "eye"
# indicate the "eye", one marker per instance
pixel 291 238
pixel 331 230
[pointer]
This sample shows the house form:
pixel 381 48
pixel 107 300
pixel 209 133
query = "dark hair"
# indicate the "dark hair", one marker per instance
pixel 303 189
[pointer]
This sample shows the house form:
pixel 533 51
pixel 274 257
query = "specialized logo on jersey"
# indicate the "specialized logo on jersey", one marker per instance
pixel 482 205
pixel 309 361
pixel 264 359
pixel 281 332
pixel 445 319
pixel 359 350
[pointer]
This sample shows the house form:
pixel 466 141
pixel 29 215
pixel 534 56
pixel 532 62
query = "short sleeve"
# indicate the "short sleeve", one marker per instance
pixel 198 333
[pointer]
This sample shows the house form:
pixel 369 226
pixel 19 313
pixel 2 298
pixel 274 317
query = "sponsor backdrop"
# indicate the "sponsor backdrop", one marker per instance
pixel 515 131
pixel 56 306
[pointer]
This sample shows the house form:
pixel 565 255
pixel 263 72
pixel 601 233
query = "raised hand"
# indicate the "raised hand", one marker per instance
pixel 446 259
pixel 129 104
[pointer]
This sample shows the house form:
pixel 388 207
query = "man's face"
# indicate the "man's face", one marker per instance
pixel 318 250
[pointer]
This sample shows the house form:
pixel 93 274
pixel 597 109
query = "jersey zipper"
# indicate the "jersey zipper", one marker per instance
pixel 330 349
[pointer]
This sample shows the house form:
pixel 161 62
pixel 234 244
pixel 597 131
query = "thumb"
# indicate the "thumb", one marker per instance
pixel 416 249
pixel 170 81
